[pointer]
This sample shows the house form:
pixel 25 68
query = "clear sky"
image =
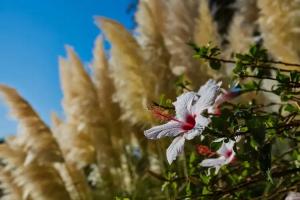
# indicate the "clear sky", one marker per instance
pixel 32 36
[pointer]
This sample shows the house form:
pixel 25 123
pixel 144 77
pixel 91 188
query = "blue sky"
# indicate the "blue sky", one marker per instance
pixel 32 36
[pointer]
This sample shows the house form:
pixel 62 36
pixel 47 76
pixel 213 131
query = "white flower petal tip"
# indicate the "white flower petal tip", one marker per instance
pixel 170 129
pixel 219 139
pixel 293 196
pixel 175 148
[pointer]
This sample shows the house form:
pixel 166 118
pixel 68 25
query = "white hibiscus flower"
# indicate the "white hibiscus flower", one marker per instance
pixel 226 156
pixel 189 121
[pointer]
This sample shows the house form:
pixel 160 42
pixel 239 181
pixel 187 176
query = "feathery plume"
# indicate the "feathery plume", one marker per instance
pixel 10 159
pixel 105 90
pixel 151 19
pixel 74 180
pixel 84 119
pixel 103 82
pixel 205 28
pixel 40 182
pixel 80 102
pixel 113 125
pixel 33 133
pixel 241 30
pixel 34 180
pixel 248 9
pixel 78 149
pixel 240 36
pixel 10 190
pixel 205 32
pixel 279 25
pixel 130 73
pixel 180 27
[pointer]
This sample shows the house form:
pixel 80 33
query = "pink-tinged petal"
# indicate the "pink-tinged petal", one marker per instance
pixel 170 129
pixel 221 98
pixel 226 153
pixel 226 148
pixel 183 105
pixel 208 94
pixel 230 158
pixel 175 148
pixel 213 162
pixel 216 163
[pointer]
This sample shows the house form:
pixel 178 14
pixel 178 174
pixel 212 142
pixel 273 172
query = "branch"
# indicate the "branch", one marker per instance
pixel 258 66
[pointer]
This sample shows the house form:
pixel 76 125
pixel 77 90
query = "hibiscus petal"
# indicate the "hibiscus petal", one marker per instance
pixel 191 134
pixel 213 162
pixel 202 121
pixel 201 124
pixel 175 148
pixel 208 94
pixel 170 129
pixel 216 163
pixel 225 147
pixel 183 105
pixel 208 85
pixel 219 139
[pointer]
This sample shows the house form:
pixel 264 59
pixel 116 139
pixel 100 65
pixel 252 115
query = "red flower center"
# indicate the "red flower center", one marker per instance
pixel 228 153
pixel 189 123
pixel 162 115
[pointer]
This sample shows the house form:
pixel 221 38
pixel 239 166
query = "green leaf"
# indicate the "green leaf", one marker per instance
pixel 164 186
pixel 219 123
pixel 253 50
pixel 215 51
pixel 188 191
pixel 257 52
pixel 244 58
pixel 257 129
pixel 295 76
pixel 269 176
pixel 215 64
pixel 251 85
pixel 205 190
pixel 240 68
pixel 264 158
pixel 205 179
pixel 282 78
pixel 254 144
pixel 286 97
pixel 271 121
pixel 291 108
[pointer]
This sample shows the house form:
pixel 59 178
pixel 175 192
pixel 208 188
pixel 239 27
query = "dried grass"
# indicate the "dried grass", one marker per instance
pixel 33 134
pixel 279 24
pixel 129 72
